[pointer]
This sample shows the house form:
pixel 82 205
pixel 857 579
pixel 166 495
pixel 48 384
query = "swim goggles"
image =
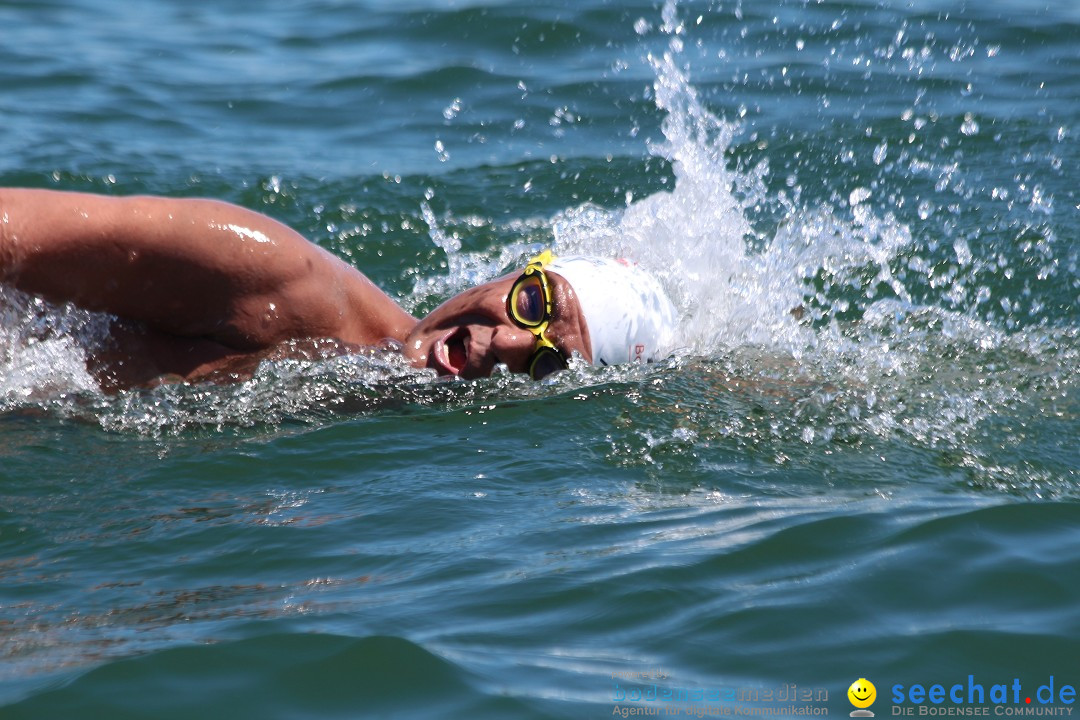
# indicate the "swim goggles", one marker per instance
pixel 529 305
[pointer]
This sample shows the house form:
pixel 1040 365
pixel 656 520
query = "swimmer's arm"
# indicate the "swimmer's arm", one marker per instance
pixel 188 267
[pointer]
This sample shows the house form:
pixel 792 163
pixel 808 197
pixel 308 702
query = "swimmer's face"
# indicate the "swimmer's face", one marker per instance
pixel 471 332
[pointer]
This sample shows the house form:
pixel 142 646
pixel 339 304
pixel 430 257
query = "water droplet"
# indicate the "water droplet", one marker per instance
pixel 858 195
pixel 880 152
pixel 451 111
pixel 970 127
pixel 963 252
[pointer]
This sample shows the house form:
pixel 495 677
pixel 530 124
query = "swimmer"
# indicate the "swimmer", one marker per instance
pixel 203 290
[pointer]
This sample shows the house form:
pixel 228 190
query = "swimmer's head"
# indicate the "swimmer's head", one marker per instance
pixel 607 311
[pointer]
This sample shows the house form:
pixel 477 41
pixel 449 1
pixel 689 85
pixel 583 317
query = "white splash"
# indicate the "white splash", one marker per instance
pixel 43 349
pixel 734 286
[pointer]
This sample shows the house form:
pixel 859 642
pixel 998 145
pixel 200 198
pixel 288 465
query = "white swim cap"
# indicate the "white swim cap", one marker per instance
pixel 629 317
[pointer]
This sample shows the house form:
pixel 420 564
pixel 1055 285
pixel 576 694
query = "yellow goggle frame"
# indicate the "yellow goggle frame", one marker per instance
pixel 546 358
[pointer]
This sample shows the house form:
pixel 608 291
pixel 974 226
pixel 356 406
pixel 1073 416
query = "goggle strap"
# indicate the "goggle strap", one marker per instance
pixel 544 258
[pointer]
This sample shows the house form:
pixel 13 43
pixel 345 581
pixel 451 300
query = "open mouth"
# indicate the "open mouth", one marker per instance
pixel 452 351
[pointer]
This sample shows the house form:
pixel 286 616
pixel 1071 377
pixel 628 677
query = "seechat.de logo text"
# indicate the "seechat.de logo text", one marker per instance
pixel 973 698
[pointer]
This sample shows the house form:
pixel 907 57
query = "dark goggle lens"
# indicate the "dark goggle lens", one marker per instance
pixel 527 302
pixel 545 362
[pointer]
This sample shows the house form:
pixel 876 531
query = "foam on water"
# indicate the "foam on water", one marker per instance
pixel 43 349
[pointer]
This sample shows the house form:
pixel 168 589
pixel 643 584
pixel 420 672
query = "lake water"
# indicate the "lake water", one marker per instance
pixel 885 488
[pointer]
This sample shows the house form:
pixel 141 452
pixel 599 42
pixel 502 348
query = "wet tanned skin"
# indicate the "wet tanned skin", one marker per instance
pixel 206 290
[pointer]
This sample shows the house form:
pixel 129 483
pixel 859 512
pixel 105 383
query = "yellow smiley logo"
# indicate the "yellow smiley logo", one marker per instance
pixel 862 693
